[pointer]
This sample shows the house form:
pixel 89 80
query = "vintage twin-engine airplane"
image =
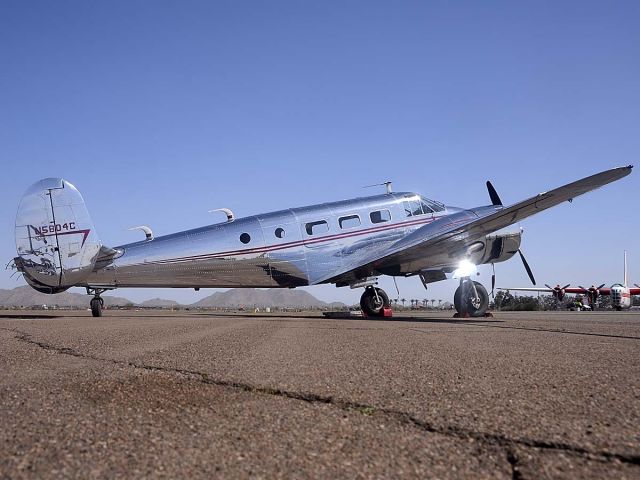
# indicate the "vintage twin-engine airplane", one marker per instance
pixel 351 242
pixel 620 293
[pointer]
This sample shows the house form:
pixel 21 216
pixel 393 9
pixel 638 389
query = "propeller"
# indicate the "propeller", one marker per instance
pixel 527 267
pixel 558 291
pixel 495 198
pixel 592 293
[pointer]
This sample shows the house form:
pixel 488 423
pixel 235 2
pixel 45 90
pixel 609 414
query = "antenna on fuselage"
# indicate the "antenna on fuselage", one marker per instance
pixel 386 184
pixel 625 268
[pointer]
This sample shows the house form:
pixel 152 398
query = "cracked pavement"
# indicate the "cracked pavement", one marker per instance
pixel 161 394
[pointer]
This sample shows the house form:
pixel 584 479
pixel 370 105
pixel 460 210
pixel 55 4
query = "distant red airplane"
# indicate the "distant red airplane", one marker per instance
pixel 620 293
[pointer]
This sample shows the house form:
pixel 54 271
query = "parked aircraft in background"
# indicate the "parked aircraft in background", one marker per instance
pixel 620 293
pixel 351 242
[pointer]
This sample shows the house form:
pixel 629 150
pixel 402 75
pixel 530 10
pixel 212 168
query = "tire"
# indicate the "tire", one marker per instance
pixel 96 307
pixel 371 305
pixel 473 307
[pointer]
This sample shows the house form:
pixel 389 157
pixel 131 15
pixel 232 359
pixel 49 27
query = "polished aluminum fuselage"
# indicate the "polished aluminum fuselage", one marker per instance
pixel 269 250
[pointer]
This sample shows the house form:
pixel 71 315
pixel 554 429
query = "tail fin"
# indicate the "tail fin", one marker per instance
pixel 56 242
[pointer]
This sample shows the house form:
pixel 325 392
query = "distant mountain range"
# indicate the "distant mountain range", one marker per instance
pixel 25 296
pixel 252 297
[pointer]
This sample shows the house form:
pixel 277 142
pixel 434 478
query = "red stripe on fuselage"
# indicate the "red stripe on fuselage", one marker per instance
pixel 297 243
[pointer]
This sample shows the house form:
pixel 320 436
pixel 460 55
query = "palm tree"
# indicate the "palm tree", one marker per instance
pixel 433 300
pixel 403 300
pixel 439 303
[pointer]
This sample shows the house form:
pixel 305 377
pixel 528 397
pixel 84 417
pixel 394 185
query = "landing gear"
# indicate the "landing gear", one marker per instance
pixel 373 301
pixel 471 298
pixel 96 306
pixel 97 303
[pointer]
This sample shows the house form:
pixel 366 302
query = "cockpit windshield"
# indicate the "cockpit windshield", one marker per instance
pixel 432 204
pixel 419 205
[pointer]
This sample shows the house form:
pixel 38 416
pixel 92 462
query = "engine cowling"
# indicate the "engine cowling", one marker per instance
pixel 495 248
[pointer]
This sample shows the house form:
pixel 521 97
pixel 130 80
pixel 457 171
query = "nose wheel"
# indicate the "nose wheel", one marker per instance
pixel 471 299
pixel 373 301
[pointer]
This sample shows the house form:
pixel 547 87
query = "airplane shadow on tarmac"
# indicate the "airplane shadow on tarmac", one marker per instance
pixel 274 318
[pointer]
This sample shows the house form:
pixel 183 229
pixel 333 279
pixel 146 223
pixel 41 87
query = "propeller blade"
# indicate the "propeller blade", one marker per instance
pixel 526 267
pixel 635 285
pixel 601 286
pixel 566 286
pixel 493 195
pixel 548 286
pixel 580 286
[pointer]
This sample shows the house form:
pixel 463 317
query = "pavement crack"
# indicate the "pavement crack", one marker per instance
pixel 552 330
pixel 486 438
pixel 513 460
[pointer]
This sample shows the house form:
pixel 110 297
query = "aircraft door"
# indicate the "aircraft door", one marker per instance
pixel 287 261
pixel 323 251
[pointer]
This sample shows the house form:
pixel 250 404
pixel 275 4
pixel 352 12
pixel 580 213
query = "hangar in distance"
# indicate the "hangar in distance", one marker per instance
pixel 346 243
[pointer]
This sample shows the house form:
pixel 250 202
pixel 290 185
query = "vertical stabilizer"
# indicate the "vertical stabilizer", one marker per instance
pixel 56 242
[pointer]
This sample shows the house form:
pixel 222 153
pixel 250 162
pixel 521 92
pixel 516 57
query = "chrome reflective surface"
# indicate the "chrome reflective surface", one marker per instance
pixel 280 252
pixel 391 234
pixel 55 238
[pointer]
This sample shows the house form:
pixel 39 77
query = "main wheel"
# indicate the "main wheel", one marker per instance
pixel 96 306
pixel 373 301
pixel 466 302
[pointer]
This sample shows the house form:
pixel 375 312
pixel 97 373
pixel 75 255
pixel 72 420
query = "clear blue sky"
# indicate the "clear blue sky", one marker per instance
pixel 159 111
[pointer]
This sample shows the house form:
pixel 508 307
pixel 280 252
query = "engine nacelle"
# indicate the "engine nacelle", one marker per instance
pixel 495 248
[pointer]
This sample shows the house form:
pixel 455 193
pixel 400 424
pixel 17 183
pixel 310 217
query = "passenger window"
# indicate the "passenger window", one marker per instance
pixel 380 216
pixel 280 232
pixel 350 221
pixel 314 228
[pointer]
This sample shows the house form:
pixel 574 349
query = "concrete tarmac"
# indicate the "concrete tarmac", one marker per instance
pixel 199 394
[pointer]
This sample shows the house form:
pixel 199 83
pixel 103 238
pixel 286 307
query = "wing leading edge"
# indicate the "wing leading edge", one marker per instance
pixel 455 232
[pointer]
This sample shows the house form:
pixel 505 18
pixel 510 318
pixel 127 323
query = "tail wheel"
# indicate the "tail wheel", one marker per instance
pixel 467 301
pixel 373 301
pixel 96 306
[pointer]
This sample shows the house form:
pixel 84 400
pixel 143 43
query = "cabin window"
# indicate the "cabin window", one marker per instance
pixel 280 232
pixel 245 238
pixel 315 228
pixel 380 216
pixel 350 221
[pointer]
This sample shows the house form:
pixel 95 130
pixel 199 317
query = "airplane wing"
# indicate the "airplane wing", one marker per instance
pixel 634 291
pixel 573 290
pixel 452 234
